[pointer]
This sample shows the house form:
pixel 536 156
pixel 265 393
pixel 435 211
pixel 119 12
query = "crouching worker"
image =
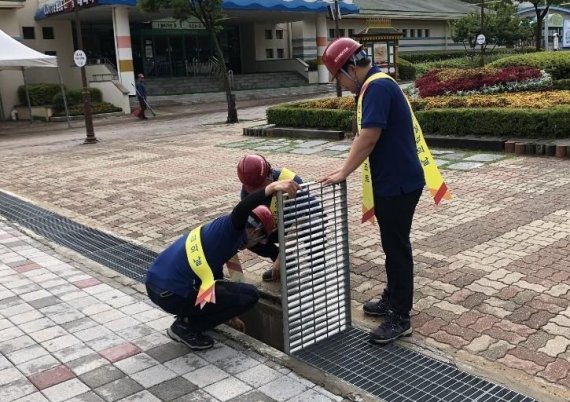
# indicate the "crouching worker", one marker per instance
pixel 186 279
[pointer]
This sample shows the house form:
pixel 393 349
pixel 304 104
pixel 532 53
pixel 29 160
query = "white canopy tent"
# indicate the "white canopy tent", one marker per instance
pixel 16 56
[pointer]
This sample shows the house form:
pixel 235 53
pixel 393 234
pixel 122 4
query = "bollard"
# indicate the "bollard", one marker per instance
pixel 550 149
pixel 560 151
pixel 510 147
pixel 540 148
pixel 530 148
pixel 520 148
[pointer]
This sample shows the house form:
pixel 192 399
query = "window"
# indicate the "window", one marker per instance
pixel 268 53
pixel 351 32
pixel 331 33
pixel 47 33
pixel 280 53
pixel 268 34
pixel 51 53
pixel 341 32
pixel 28 33
pixel 420 32
pixel 279 34
pixel 426 33
pixel 412 33
pixel 404 33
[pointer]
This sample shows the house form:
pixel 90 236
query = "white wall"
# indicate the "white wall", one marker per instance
pixel 274 44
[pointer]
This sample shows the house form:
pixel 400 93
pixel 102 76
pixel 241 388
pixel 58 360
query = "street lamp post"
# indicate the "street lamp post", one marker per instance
pixel 337 34
pixel 90 134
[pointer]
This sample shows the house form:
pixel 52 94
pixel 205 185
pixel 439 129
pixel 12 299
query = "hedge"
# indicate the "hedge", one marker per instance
pixel 522 123
pixel 561 84
pixel 75 97
pixel 40 94
pixel 439 55
pixel 406 70
pixel 556 64
pixel 96 108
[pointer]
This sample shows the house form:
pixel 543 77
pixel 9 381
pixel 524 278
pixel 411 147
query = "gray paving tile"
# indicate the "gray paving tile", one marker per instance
pixel 87 363
pixel 259 375
pixel 236 364
pixel 19 342
pixel 9 375
pixel 44 302
pixel 29 353
pixel 79 325
pixel 72 352
pixel 172 389
pixel 283 388
pixel 38 365
pixel 219 352
pixel 206 375
pixel 253 396
pixel 16 389
pixel 65 390
pixel 119 389
pixel 186 363
pixel 138 331
pixel 440 151
pixel 101 376
pixel 267 147
pixel 168 351
pixel 143 396
pixel 35 397
pixel 311 396
pixel 464 165
pixel 227 389
pixel 86 397
pixel 485 158
pixel 136 363
pixel 452 156
pixel 153 375
pixel 305 151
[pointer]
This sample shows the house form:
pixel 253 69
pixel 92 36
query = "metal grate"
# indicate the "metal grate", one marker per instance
pixel 313 242
pixel 124 257
pixel 316 303
pixel 397 374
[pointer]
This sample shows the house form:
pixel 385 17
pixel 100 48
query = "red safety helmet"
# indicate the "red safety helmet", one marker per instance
pixel 261 216
pixel 338 52
pixel 252 171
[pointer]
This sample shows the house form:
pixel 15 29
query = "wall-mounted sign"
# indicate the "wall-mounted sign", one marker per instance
pixel 79 58
pixel 65 6
pixel 171 23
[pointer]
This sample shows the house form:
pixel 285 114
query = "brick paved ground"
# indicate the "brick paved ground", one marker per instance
pixel 66 335
pixel 493 265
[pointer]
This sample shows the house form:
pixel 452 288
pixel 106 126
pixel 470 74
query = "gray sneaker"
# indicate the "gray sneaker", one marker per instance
pixel 195 340
pixel 393 327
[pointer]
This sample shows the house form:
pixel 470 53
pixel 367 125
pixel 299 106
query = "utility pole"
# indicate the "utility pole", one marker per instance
pixel 336 14
pixel 482 61
pixel 90 134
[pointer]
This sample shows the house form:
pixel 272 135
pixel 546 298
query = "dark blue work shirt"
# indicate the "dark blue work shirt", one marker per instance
pixel 394 162
pixel 171 270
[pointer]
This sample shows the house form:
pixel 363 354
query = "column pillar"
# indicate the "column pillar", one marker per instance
pixel 321 24
pixel 123 50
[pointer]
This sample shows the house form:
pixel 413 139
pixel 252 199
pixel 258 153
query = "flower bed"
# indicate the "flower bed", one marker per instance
pixel 480 81
pixel 536 100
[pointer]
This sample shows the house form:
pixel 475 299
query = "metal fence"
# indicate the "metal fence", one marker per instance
pixel 315 279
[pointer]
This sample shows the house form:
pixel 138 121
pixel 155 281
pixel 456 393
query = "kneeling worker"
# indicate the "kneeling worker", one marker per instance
pixel 186 279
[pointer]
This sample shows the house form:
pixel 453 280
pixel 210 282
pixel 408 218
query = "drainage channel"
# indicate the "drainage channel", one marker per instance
pixel 392 373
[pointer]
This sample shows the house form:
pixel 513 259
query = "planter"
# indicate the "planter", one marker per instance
pixel 38 112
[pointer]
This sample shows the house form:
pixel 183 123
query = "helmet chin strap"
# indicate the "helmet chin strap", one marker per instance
pixel 355 57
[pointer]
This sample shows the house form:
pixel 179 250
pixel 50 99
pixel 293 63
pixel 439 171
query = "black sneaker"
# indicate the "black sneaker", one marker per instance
pixel 394 327
pixel 376 307
pixel 194 340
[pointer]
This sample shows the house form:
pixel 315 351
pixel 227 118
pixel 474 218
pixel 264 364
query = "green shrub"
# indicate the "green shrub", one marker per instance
pixel 96 108
pixel 440 55
pixel 40 94
pixel 522 123
pixel 74 97
pixel 406 70
pixel 556 64
pixel 291 116
pixel 561 84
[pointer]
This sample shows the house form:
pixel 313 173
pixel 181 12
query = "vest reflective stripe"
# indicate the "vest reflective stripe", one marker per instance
pixel 285 174
pixel 199 265
pixel 434 179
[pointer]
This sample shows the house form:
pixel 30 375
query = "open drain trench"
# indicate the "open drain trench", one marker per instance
pixel 315 298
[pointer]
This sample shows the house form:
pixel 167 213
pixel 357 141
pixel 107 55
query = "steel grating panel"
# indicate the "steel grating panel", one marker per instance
pixel 124 257
pixel 397 374
pixel 313 241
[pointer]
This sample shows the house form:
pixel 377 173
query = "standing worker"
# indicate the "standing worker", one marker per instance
pixel 141 96
pixel 392 151
pixel 186 279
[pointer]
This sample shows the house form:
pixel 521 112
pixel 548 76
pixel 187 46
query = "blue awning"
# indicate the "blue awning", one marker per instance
pixel 346 6
pixel 52 7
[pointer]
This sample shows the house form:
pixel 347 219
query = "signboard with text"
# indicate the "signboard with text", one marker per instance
pixel 171 23
pixel 566 34
pixel 65 6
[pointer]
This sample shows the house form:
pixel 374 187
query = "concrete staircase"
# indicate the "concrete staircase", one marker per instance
pixel 201 84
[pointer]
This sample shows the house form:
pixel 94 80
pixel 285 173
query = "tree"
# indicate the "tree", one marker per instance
pixel 499 24
pixel 540 15
pixel 209 13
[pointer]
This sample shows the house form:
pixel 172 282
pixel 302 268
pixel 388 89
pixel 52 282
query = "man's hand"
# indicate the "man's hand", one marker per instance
pixel 276 270
pixel 287 186
pixel 336 176
pixel 236 324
